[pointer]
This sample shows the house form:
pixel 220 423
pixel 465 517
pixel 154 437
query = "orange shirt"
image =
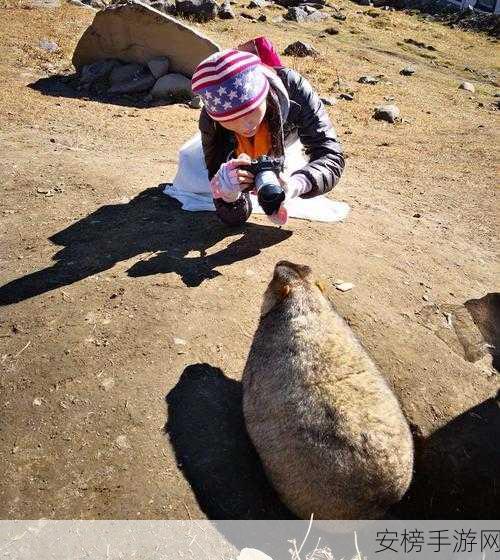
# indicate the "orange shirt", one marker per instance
pixel 258 145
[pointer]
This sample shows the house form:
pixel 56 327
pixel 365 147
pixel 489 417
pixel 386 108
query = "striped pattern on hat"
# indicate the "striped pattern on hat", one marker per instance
pixel 231 84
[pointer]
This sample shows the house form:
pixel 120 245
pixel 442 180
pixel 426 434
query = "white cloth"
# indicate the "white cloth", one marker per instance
pixel 192 188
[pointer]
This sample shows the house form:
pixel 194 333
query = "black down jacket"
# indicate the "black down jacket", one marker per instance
pixel 294 110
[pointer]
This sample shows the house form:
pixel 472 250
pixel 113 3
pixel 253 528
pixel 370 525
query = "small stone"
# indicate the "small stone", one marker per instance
pixel 339 17
pixel 199 10
pixel 196 102
pixel 37 402
pixel 467 86
pixel 346 96
pixel 122 442
pixel 262 18
pixel 107 384
pixel 140 82
pixel 172 84
pixel 159 66
pixel 344 286
pixel 295 14
pixel 332 31
pixel 179 341
pixel 247 16
pixel 407 71
pixel 389 113
pixel 329 101
pixel 425 297
pixel 417 215
pixel 256 4
pixel 300 49
pixel 48 45
pixel 125 72
pixel 225 11
pixel 368 80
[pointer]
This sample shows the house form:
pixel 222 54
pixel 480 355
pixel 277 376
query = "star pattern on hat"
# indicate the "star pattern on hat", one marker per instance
pixel 231 95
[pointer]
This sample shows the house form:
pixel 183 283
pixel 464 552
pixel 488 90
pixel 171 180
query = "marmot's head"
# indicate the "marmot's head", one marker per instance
pixel 293 284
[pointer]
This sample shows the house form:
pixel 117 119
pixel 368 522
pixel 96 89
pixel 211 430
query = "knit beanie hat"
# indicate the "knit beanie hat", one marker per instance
pixel 231 83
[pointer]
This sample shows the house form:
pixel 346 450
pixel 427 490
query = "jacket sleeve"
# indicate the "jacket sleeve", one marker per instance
pixel 326 160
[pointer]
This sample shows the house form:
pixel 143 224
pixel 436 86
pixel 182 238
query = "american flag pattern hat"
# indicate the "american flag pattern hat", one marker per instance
pixel 231 83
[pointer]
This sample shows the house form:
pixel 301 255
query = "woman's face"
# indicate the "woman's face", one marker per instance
pixel 249 123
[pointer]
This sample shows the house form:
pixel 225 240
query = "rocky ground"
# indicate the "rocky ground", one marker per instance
pixel 125 322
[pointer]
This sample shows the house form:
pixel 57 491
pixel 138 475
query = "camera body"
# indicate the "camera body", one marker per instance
pixel 270 193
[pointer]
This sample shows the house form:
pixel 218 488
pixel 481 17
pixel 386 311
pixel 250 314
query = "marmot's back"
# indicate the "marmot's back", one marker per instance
pixel 328 429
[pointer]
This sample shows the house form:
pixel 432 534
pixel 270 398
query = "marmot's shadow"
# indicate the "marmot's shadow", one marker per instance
pixel 207 431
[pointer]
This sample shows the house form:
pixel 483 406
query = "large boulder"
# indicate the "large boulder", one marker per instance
pixel 134 32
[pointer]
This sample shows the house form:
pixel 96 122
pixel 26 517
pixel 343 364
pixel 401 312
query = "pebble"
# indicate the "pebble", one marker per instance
pixel 332 31
pixel 346 96
pixel 344 286
pixel 122 442
pixel 407 71
pixel 467 86
pixel 107 383
pixel 47 45
pixel 389 113
pixel 37 402
pixel 300 49
pixel 368 80
pixel 179 341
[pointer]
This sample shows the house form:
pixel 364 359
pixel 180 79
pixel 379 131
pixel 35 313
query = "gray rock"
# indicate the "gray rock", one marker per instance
pixel 316 16
pixel 407 71
pixel 389 113
pixel 199 10
pixel 262 18
pixel 48 45
pixel 256 4
pixel 196 102
pixel 92 73
pixel 296 3
pixel 364 2
pixel 248 16
pixel 159 66
pixel 296 14
pixel 225 11
pixel 307 8
pixel 125 73
pixel 346 96
pixel 329 101
pixel 368 80
pixel 141 81
pixel 300 49
pixel 172 85
pixel 164 6
pixel 467 86
pixel 339 17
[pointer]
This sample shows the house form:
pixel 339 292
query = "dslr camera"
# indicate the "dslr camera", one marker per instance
pixel 270 193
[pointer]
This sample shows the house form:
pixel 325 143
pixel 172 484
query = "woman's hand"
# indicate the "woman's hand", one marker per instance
pixel 230 180
pixel 294 186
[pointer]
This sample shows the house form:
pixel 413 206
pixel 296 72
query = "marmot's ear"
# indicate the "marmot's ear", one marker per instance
pixel 285 289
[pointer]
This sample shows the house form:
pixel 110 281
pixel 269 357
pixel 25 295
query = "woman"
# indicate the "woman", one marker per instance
pixel 252 110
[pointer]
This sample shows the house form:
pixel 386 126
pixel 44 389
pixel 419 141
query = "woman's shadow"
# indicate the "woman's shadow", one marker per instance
pixel 150 223
pixel 207 432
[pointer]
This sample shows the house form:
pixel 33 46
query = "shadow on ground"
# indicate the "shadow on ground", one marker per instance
pixel 62 85
pixel 457 469
pixel 207 431
pixel 150 223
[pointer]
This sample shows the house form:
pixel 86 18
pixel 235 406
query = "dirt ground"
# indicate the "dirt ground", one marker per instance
pixel 125 322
